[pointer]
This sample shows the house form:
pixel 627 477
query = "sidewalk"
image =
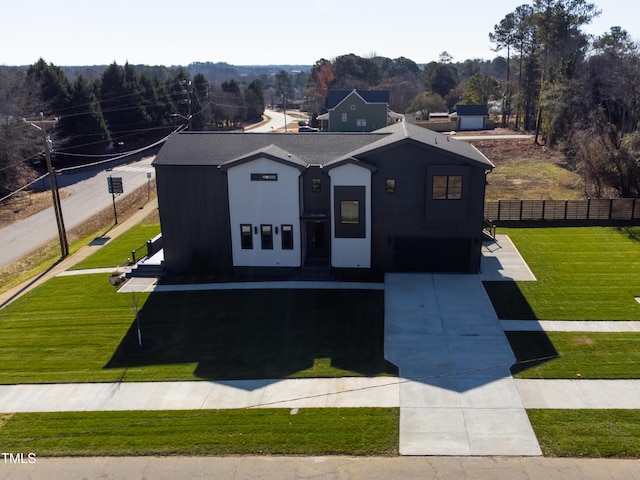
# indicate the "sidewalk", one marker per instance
pixel 351 392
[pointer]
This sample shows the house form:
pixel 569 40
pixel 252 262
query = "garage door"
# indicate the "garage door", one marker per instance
pixel 471 123
pixel 413 254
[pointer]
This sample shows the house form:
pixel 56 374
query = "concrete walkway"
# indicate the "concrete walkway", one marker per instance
pixel 569 326
pixel 467 394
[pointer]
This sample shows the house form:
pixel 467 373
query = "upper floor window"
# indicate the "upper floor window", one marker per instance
pixel 391 185
pixel 447 187
pixel 316 185
pixel 349 211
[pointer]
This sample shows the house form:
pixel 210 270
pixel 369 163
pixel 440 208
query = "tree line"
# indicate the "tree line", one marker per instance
pixel 124 108
pixel 575 92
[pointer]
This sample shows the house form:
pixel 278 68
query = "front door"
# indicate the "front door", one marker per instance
pixel 317 233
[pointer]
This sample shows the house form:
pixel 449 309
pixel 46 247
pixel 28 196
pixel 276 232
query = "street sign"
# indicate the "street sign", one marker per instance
pixel 115 184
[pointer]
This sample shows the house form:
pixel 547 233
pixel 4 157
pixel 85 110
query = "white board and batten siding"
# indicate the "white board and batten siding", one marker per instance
pixel 266 202
pixel 351 252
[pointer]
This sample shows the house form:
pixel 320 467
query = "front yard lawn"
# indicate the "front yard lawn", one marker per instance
pixel 587 433
pixel 315 431
pixel 79 329
pixel 575 355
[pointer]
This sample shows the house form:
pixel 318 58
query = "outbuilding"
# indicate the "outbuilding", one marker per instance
pixel 472 117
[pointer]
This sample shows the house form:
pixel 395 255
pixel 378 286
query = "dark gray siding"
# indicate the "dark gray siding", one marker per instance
pixel 194 217
pixel 412 217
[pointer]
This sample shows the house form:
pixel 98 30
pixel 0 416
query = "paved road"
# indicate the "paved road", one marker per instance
pixel 275 121
pixel 88 196
pixel 321 468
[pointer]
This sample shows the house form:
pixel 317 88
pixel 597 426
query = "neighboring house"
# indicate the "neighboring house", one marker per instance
pixel 472 117
pixel 402 198
pixel 357 111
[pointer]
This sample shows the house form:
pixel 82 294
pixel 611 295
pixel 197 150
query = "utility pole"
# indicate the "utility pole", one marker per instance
pixel 55 194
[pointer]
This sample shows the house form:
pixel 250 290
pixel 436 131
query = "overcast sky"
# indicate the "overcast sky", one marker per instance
pixel 253 32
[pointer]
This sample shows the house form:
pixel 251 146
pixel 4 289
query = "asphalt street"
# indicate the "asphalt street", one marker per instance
pixel 319 468
pixel 88 195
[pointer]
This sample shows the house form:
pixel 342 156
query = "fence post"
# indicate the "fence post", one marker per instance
pixel 566 208
pixel 499 204
pixel 633 209
pixel 133 256
pixel 610 208
pixel 588 207
pixel 521 202
pixel 544 204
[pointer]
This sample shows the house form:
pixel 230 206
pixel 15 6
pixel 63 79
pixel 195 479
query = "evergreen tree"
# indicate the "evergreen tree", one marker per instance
pixel 254 100
pixel 83 129
pixel 121 102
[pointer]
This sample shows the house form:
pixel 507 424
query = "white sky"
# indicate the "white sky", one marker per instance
pixel 254 32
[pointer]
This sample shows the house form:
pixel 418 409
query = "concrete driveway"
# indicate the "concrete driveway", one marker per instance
pixel 447 341
pixel 442 333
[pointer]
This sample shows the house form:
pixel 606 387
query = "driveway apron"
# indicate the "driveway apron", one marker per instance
pixel 457 396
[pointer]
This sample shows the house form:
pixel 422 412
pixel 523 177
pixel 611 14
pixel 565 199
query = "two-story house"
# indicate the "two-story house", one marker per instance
pixel 357 111
pixel 402 198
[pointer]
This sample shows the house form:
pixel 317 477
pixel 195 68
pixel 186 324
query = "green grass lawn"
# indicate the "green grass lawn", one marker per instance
pixel 78 329
pixel 118 251
pixel 588 273
pixel 328 431
pixel 587 433
pixel 575 355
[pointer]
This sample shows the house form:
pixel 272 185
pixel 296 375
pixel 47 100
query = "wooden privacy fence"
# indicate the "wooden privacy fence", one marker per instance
pixel 592 209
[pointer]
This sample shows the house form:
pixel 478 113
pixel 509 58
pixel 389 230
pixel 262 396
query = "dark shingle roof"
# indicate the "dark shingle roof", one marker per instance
pixel 472 110
pixel 217 148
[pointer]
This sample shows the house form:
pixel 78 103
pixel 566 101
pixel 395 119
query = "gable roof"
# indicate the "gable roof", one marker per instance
pixel 335 97
pixel 270 152
pixel 408 132
pixel 225 149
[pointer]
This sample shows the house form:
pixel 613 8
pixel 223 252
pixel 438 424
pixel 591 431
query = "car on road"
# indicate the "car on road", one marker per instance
pixel 307 128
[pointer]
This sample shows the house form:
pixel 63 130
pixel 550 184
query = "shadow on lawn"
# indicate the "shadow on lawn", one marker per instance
pixel 531 348
pixel 261 334
pixel 631 232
